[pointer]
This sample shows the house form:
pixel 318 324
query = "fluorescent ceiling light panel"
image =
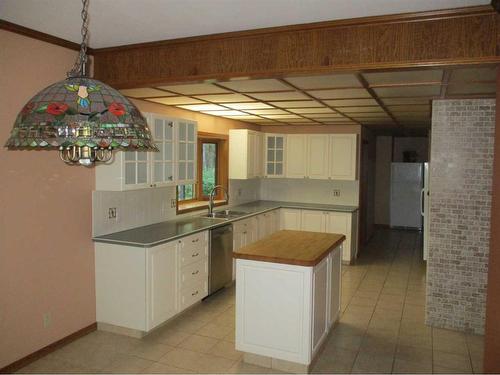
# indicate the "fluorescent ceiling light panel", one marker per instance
pixel 175 100
pixel 225 98
pixel 273 111
pixel 297 104
pixel 360 109
pixel 203 107
pixel 195 89
pixel 271 96
pixel 281 116
pixel 251 105
pixel 224 113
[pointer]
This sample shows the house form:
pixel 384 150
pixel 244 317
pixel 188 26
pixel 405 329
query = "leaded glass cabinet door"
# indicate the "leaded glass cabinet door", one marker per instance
pixel 162 166
pixel 187 141
pixel 275 154
pixel 135 170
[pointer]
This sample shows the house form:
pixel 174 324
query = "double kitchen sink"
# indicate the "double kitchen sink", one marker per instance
pixel 225 214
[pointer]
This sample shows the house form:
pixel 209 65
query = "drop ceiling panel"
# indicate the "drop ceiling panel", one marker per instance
pixel 473 74
pixel 340 94
pixel 350 102
pixel 327 81
pixel 224 113
pixel 471 88
pixel 244 118
pixel 360 109
pixel 299 120
pixel 334 119
pixel 407 91
pixel 409 108
pixel 256 85
pixel 195 89
pixel 273 111
pixel 175 100
pixel 203 107
pixel 280 116
pixel 397 101
pixel 311 110
pixel 251 105
pixel 225 98
pixel 271 96
pixel 297 104
pixel 322 115
pixel 403 77
pixel 144 92
pixel 370 115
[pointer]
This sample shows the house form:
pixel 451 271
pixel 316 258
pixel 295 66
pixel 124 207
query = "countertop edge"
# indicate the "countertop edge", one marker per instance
pixel 295 205
pixel 293 262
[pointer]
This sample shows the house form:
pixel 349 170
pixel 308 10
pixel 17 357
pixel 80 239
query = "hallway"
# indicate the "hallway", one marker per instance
pixel 381 329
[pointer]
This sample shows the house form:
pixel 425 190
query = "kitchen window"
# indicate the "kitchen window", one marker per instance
pixel 212 169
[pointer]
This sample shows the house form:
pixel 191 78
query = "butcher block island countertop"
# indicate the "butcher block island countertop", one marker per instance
pixel 298 248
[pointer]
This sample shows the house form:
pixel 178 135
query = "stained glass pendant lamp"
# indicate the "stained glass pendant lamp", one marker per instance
pixel 81 117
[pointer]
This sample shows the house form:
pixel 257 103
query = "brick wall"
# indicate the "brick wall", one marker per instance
pixel 460 203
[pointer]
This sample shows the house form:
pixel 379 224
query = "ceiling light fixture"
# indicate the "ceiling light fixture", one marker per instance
pixel 83 118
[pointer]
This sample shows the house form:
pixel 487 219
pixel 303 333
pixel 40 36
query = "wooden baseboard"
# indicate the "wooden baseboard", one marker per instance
pixel 13 367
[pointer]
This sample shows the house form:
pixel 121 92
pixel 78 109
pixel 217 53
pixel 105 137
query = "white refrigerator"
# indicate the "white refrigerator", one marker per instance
pixel 407 182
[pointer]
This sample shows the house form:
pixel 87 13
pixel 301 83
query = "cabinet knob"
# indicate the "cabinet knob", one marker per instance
pixel 245 232
pixel 170 178
pixel 195 273
pixel 195 240
pixel 195 255
pixel 195 293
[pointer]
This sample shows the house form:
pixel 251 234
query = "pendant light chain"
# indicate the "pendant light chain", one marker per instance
pixel 79 68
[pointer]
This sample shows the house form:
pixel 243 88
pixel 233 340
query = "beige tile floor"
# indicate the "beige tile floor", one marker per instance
pixel 381 329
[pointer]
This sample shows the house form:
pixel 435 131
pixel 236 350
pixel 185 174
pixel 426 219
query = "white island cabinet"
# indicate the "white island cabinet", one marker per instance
pixel 287 297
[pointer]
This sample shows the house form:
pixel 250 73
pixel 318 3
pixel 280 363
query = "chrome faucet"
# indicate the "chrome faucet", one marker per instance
pixel 211 198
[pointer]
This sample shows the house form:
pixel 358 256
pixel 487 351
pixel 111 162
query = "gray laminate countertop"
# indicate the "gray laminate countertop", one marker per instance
pixel 156 234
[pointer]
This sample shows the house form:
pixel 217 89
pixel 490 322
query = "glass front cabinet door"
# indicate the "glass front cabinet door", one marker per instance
pixel 162 166
pixel 187 141
pixel 275 163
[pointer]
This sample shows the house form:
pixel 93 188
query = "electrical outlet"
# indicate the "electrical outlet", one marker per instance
pixel 112 213
pixel 173 203
pixel 47 320
pixel 336 193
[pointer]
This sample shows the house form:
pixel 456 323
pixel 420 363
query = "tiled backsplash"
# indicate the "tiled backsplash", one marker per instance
pixel 134 208
pixel 310 191
pixel 460 205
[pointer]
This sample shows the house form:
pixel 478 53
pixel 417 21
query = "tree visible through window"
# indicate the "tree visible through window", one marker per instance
pixel 186 192
pixel 209 167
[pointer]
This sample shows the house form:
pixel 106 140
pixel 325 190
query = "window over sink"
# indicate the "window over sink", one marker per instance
pixel 212 169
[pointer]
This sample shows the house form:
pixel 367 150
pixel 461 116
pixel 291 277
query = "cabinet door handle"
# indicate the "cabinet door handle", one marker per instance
pixel 170 178
pixel 195 293
pixel 245 232
pixel 195 240
pixel 195 255
pixel 196 272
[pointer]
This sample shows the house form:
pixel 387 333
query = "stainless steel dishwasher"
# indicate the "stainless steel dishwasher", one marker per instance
pixel 220 271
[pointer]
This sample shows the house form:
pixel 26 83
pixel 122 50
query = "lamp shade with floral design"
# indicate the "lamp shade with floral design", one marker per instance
pixel 80 115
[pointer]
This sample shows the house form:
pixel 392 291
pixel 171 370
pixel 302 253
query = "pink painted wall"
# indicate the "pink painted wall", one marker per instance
pixel 46 252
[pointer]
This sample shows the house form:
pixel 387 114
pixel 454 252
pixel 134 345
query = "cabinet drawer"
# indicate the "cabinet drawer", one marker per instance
pixel 192 294
pixel 194 273
pixel 193 248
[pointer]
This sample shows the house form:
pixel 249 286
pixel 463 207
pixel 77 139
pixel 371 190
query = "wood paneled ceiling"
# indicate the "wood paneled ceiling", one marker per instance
pixel 390 99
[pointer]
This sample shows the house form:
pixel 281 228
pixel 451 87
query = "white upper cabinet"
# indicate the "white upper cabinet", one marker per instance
pixel 343 156
pixel 163 165
pixel 275 155
pixel 245 154
pixel 318 156
pixel 187 140
pixel 296 156
pixel 175 163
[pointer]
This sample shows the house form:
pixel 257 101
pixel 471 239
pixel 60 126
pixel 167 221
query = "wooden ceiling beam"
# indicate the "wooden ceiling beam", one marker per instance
pixel 427 39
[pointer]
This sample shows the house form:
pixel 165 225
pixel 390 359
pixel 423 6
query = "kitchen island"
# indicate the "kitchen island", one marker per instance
pixel 287 297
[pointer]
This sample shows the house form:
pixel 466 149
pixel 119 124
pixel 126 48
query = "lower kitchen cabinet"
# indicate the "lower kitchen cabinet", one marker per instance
pixel 268 223
pixel 324 221
pixel 290 219
pixel 139 288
